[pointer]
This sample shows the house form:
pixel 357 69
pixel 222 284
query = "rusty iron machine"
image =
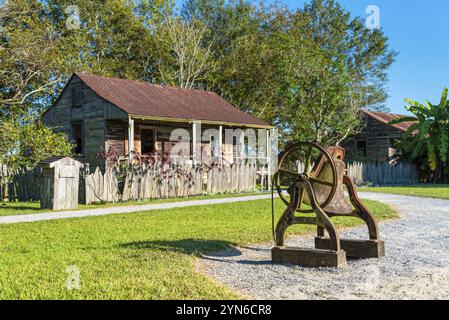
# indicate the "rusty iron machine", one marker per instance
pixel 315 178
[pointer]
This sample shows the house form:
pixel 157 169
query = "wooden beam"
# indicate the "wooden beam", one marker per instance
pixel 355 248
pixel 211 122
pixel 309 257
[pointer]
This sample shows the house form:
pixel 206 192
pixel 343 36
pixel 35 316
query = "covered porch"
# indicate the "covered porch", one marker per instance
pixel 193 142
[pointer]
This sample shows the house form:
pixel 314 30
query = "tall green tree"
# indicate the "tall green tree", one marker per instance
pixel 308 71
pixel 245 54
pixel 43 42
pixel 29 51
pixel 338 67
pixel 110 38
pixel 427 140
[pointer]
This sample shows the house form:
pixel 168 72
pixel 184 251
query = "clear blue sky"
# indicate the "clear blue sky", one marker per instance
pixel 419 31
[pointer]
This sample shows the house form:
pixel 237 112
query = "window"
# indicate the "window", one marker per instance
pixel 76 97
pixel 147 137
pixel 361 148
pixel 77 137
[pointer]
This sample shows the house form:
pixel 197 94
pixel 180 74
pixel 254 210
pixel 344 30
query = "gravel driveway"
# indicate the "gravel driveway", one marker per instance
pixel 416 265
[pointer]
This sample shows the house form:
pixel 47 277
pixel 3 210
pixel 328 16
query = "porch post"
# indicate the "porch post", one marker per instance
pixel 220 144
pixel 194 142
pixel 130 138
pixel 241 147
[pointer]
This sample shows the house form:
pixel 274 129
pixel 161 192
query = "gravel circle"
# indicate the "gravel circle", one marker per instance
pixel 416 265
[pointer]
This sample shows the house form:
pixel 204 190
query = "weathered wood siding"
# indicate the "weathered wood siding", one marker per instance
pixel 93 114
pixel 377 136
pixel 116 136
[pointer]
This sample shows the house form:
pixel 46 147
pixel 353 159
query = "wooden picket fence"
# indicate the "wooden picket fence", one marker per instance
pixel 176 181
pixel 383 174
pixel 141 183
pixel 185 180
pixel 20 185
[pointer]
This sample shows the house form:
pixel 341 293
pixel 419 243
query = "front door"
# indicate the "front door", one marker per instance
pixel 147 138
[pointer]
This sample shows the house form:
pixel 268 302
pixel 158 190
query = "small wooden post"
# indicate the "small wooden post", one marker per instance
pixel 60 183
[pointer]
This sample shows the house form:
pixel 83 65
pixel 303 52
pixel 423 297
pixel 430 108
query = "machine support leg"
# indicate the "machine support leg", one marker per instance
pixel 320 231
pixel 373 248
pixel 361 211
pixel 323 218
pixel 287 218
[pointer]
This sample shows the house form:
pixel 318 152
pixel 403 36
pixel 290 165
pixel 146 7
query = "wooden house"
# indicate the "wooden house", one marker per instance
pixel 377 139
pixel 132 116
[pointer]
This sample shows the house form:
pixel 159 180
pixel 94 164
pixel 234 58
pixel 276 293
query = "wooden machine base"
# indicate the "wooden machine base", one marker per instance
pixel 355 248
pixel 309 257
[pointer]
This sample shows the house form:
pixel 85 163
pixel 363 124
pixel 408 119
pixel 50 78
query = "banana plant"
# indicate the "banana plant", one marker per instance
pixel 428 137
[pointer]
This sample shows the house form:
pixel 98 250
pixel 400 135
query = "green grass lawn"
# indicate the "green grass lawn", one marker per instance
pixel 425 190
pixel 146 255
pixel 18 208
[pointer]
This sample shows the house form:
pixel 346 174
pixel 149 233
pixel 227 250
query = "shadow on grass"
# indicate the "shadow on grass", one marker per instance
pixel 188 246
pixel 12 207
pixel 20 208
pixel 214 250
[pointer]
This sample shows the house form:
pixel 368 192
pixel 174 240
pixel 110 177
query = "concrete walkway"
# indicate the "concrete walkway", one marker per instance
pixel 123 209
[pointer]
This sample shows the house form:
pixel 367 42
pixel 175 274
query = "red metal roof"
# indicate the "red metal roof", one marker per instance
pixel 385 117
pixel 144 99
